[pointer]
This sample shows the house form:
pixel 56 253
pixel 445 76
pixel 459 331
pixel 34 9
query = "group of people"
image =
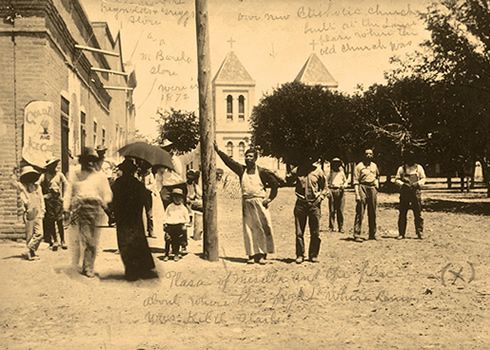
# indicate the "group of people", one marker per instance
pixel 53 202
pixel 312 186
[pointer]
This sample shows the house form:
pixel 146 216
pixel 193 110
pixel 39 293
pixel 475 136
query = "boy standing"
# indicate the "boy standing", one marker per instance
pixel 33 203
pixel 174 224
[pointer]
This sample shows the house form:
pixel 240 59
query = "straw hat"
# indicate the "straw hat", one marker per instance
pixel 51 161
pixel 177 192
pixel 29 174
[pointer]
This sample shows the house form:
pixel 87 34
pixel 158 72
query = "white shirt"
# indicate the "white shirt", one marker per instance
pixel 172 177
pixel 83 184
pixel 176 214
pixel 414 174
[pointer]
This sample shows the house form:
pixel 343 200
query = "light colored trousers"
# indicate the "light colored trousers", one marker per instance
pixel 34 233
pixel 84 240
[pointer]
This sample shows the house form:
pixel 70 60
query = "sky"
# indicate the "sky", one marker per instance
pixel 353 38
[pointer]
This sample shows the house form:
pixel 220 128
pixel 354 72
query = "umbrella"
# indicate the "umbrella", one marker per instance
pixel 150 153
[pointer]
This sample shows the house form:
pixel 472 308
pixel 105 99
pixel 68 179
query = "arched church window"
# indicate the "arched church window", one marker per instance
pixel 229 148
pixel 241 149
pixel 229 107
pixel 241 108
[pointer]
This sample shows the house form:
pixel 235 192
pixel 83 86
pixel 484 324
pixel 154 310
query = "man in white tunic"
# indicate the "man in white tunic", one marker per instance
pixel 257 225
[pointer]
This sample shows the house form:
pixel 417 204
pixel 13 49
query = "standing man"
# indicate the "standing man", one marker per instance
pixel 257 225
pixel 366 183
pixel 87 194
pixel 53 184
pixel 336 184
pixel 311 190
pixel 410 177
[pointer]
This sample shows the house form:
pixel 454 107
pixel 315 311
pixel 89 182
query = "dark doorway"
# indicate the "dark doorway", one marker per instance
pixel 65 157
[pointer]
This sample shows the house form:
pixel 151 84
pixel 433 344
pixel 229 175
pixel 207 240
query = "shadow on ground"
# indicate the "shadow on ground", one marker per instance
pixel 449 206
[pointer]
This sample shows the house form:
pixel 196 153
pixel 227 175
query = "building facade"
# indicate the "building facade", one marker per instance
pixel 52 102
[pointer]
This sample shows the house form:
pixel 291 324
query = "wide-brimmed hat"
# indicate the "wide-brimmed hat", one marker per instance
pixel 166 143
pixel 51 162
pixel 101 149
pixel 127 166
pixel 177 192
pixel 336 159
pixel 29 174
pixel 88 153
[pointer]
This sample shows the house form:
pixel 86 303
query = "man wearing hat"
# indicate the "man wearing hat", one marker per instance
pixel 53 184
pixel 311 189
pixel 105 168
pixel 33 204
pixel 257 225
pixel 175 224
pixel 87 194
pixel 410 177
pixel 336 183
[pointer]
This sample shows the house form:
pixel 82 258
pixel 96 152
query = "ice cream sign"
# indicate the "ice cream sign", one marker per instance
pixel 38 141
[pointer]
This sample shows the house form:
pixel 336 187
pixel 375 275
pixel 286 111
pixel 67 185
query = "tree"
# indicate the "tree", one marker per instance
pixel 179 127
pixel 456 61
pixel 297 121
pixel 397 116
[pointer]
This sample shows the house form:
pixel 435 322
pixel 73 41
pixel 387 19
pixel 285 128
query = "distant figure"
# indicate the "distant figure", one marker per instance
pixel 146 177
pixel 104 168
pixel 34 208
pixel 168 179
pixel 311 190
pixel 53 184
pixel 336 185
pixel 410 177
pixel 194 193
pixel 88 193
pixel 175 224
pixel 366 183
pixel 257 224
pixel 129 199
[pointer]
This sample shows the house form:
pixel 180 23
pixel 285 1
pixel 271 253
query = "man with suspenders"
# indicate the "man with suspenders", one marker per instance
pixel 410 177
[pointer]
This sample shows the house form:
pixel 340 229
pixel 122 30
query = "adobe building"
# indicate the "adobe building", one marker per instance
pixel 52 101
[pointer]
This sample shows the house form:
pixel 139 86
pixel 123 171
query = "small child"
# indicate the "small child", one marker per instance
pixel 174 224
pixel 33 203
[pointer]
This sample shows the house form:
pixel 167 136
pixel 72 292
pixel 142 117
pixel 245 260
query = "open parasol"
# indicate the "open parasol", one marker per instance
pixel 150 153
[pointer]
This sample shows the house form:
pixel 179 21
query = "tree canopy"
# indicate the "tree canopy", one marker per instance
pixel 179 127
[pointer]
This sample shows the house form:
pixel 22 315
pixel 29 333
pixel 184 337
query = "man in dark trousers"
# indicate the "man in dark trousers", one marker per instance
pixel 366 183
pixel 311 190
pixel 410 177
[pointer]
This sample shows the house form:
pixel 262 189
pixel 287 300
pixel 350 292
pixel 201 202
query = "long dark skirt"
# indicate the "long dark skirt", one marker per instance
pixel 134 249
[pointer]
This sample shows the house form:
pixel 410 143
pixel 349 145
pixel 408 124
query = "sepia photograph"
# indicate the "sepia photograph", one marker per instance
pixel 244 174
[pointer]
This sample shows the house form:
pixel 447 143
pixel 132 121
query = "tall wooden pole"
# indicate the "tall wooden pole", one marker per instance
pixel 207 139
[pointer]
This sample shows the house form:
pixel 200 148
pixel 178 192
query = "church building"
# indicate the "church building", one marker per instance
pixel 234 98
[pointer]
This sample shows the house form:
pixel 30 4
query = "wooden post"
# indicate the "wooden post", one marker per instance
pixel 207 139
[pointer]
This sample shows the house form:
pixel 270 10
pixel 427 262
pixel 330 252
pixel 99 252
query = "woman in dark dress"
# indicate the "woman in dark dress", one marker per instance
pixel 128 202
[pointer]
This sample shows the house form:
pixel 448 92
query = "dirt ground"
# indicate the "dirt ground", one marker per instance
pixel 384 294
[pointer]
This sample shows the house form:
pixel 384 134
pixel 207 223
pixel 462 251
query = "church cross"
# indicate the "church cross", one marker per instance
pixel 313 44
pixel 231 41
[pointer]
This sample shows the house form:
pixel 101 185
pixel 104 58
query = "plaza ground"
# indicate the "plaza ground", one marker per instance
pixel 384 294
